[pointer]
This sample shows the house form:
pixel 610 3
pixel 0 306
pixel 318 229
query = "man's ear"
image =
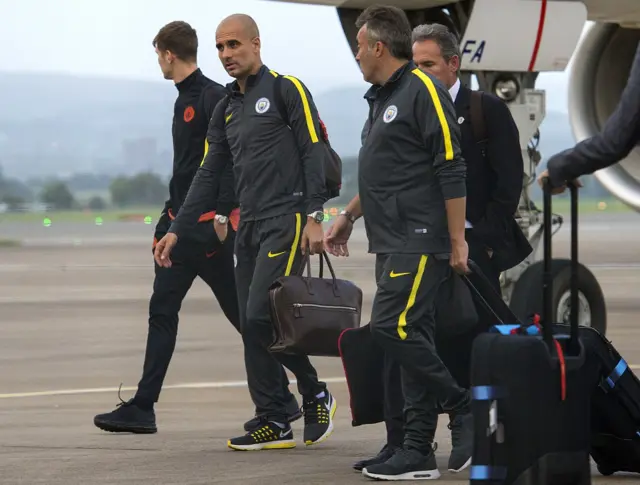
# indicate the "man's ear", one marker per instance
pixel 454 63
pixel 378 49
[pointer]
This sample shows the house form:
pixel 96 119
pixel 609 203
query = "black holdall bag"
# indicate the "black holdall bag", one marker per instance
pixel 363 359
pixel 615 406
pixel 309 314
pixel 532 391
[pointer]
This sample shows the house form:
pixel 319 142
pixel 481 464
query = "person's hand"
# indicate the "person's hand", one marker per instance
pixel 163 250
pixel 221 230
pixel 459 260
pixel 555 190
pixel 336 237
pixel 312 238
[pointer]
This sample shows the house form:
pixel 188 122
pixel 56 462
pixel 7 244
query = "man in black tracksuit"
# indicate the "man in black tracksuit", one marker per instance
pixel 280 183
pixel 412 197
pixel 200 254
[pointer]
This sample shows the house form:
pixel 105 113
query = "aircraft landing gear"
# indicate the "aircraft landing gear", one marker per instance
pixel 526 298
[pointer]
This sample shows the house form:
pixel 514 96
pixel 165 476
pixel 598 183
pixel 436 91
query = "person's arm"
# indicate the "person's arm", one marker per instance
pixel 202 188
pixel 163 221
pixel 226 194
pixel 437 119
pixel 507 170
pixel 304 122
pixel 614 142
pixel 353 210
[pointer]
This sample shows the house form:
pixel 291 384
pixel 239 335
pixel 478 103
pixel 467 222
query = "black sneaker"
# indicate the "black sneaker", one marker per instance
pixel 385 453
pixel 268 436
pixel 127 418
pixel 461 427
pixel 318 418
pixel 294 412
pixel 405 465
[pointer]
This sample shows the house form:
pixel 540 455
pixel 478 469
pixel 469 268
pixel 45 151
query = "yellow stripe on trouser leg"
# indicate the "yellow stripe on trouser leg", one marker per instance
pixel 402 321
pixel 294 246
pixel 448 146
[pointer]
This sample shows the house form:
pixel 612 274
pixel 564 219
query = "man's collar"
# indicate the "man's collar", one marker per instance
pixel 453 90
pixel 252 80
pixel 391 82
pixel 189 80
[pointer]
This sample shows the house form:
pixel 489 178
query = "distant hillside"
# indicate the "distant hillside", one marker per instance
pixel 56 124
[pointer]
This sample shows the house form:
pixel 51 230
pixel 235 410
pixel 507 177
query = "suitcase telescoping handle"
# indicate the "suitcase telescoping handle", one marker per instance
pixel 547 281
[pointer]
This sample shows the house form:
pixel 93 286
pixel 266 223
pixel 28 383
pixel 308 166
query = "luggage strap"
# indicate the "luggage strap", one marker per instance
pixel 487 393
pixel 487 472
pixel 617 372
pixel 563 371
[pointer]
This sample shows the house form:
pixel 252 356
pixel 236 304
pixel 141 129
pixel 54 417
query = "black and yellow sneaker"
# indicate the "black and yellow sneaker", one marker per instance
pixel 294 412
pixel 268 436
pixel 318 417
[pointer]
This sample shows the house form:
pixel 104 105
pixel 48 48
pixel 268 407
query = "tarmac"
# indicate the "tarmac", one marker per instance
pixel 73 326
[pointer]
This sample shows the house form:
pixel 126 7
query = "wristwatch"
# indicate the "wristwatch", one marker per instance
pixel 317 216
pixel 349 216
pixel 221 219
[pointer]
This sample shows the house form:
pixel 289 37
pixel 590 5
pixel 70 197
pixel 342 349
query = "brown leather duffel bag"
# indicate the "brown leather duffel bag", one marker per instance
pixel 309 313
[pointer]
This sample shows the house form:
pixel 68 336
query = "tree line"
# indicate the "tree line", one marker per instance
pixel 142 189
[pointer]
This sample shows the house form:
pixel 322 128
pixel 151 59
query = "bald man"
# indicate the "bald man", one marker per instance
pixel 268 128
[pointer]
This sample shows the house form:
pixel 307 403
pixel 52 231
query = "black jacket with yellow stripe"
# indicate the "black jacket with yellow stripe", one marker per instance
pixel 278 168
pixel 409 164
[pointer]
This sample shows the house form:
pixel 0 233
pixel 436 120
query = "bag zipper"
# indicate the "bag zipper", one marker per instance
pixel 298 306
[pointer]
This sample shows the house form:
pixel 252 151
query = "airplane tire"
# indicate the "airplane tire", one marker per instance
pixel 526 298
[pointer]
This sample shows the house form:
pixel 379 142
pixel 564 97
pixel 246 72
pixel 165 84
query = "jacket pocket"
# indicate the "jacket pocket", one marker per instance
pixel 389 214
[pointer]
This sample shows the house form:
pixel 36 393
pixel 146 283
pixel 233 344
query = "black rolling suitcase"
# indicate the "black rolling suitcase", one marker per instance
pixel 532 395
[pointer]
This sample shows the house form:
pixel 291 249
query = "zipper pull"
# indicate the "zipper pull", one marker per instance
pixel 296 310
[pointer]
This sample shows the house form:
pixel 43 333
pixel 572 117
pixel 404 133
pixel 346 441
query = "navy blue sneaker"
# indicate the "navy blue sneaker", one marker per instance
pixel 405 464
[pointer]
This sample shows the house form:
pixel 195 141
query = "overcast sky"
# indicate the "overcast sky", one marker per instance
pixel 113 38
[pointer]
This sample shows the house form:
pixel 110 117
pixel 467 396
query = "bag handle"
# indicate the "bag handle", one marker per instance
pixel 547 280
pixel 306 262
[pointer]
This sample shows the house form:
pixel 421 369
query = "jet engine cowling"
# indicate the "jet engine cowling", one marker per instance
pixel 597 78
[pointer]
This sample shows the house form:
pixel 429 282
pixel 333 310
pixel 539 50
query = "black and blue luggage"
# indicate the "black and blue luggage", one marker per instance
pixel 615 406
pixel 532 394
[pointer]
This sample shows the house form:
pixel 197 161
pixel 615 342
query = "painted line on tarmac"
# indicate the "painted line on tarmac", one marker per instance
pixel 188 385
pixel 346 265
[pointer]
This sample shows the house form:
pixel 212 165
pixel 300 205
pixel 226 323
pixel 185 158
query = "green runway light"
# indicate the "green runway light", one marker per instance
pixel 147 220
pixel 46 222
pixel 98 221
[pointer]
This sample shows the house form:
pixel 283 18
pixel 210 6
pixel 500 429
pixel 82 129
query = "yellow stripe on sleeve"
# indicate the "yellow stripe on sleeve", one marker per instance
pixel 294 246
pixel 305 106
pixel 402 321
pixel 448 146
pixel 206 150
